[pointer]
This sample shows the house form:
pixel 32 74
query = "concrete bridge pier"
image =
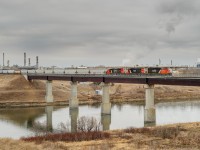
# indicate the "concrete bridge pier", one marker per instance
pixel 49 110
pixel 73 102
pixel 49 95
pixel 74 116
pixel 149 111
pixel 106 121
pixel 106 105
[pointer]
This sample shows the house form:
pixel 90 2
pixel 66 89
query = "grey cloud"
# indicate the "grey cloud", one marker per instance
pixel 173 12
pixel 183 7
pixel 92 30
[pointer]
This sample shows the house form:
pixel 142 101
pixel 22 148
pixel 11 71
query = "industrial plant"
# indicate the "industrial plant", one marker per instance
pixel 26 66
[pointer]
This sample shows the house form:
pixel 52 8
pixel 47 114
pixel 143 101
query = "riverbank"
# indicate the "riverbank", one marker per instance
pixel 15 91
pixel 178 136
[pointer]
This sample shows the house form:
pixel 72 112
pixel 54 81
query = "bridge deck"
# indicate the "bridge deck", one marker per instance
pixel 165 80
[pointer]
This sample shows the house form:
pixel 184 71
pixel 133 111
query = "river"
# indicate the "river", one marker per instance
pixel 23 122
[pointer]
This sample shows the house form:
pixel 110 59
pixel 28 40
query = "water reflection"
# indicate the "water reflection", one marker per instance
pixel 49 110
pixel 179 112
pixel 22 121
pixel 74 116
pixel 30 123
pixel 21 116
pixel 149 116
pixel 105 121
pixel 129 115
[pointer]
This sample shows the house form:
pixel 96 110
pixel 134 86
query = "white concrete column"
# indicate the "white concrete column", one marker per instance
pixel 73 102
pixel 149 117
pixel 149 112
pixel 106 105
pixel 49 110
pixel 149 96
pixel 49 95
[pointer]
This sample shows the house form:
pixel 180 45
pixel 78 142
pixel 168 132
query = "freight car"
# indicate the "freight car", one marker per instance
pixel 141 71
pixel 116 71
pixel 137 71
pixel 150 71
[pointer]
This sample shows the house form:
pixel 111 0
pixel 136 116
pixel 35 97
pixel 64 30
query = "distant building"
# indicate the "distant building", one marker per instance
pixel 81 67
pixel 198 63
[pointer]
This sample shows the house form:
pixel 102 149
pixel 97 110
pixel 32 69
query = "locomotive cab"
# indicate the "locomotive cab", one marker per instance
pixel 165 71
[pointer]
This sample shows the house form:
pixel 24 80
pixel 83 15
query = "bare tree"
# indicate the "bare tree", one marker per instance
pixel 87 124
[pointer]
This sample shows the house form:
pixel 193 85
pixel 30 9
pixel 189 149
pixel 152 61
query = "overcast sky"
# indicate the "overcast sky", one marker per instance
pixel 100 32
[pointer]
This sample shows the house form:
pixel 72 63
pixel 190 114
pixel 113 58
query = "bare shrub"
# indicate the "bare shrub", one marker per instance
pixel 39 128
pixel 63 127
pixel 88 128
pixel 87 124
pixel 137 130
pixel 72 137
pixel 163 132
pixel 166 132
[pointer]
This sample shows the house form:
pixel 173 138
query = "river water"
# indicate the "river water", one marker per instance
pixel 23 122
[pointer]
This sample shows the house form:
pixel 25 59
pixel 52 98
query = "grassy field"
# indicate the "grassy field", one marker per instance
pixel 15 91
pixel 178 136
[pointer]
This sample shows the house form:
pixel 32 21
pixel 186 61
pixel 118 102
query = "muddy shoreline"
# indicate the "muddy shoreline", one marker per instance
pixel 66 103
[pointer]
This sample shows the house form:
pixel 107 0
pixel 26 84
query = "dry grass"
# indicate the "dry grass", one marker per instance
pixel 14 88
pixel 69 137
pixel 9 144
pixel 180 136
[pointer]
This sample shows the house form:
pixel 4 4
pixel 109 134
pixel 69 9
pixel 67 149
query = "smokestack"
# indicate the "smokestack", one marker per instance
pixel 37 61
pixel 3 59
pixel 24 59
pixel 29 62
pixel 8 63
pixel 171 63
pixel 159 62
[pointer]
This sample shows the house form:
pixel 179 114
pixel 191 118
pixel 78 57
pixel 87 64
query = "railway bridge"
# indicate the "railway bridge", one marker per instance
pixel 106 80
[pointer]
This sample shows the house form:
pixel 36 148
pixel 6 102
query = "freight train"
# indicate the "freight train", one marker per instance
pixel 140 71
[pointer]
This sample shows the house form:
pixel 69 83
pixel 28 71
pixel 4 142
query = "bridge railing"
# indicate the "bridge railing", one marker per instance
pixel 61 72
pixel 66 71
pixel 89 72
pixel 187 75
pixel 9 72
